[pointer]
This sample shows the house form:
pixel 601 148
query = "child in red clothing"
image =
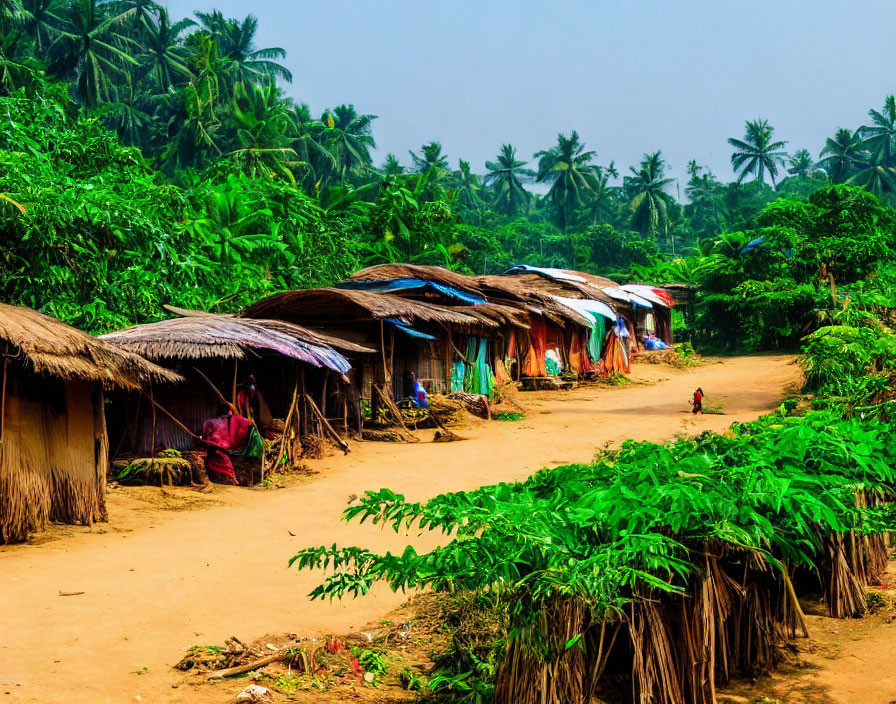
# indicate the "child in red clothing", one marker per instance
pixel 697 402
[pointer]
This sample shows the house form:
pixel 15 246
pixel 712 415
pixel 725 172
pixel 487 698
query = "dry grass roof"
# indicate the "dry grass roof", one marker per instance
pixel 566 288
pixel 438 274
pixel 293 329
pixel 324 306
pixel 49 346
pixel 505 291
pixel 200 336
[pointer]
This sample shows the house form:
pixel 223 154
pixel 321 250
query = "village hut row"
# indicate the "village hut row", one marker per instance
pixel 308 363
pixel 299 364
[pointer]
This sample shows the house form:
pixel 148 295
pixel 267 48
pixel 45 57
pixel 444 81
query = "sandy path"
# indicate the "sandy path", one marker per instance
pixel 156 583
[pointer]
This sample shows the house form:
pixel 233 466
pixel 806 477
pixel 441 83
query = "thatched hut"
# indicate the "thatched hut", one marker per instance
pixel 411 336
pixel 54 450
pixel 273 372
pixel 642 311
pixel 544 325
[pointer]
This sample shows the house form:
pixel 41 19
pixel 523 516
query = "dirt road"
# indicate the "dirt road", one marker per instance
pixel 100 615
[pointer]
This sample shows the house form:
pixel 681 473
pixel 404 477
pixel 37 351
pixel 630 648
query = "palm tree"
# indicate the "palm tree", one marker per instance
pixel 877 178
pixel 467 186
pixel 92 46
pixel 306 139
pixel 12 14
pixel 165 54
pixel 430 157
pixel 431 165
pixel 757 152
pixel 193 126
pixel 880 136
pixel 15 70
pixel 505 177
pixel 349 139
pixel 262 121
pixel 41 21
pixel 650 203
pixel 843 154
pixel 568 168
pixel 800 163
pixel 601 205
pixel 236 42
pixel 391 166
pixel 144 11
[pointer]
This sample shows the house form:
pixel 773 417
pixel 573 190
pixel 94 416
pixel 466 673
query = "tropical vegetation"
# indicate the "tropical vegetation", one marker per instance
pixel 151 159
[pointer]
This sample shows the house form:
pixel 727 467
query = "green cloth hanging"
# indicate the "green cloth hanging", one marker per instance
pixel 596 338
pixel 254 445
pixel 458 371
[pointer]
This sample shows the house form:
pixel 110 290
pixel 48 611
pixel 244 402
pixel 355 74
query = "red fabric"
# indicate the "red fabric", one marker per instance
pixel 533 364
pixel 228 434
pixel 665 296
pixel 511 344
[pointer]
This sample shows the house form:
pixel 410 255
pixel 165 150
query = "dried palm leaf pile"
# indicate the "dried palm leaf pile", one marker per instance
pixel 169 468
pixel 450 412
pixel 675 564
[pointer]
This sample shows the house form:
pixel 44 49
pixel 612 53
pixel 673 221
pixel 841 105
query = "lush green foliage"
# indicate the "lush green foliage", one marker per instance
pixel 235 176
pixel 596 530
pixel 778 280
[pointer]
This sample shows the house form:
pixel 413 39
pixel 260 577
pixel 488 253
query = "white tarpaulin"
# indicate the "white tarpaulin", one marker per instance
pixel 645 292
pixel 588 308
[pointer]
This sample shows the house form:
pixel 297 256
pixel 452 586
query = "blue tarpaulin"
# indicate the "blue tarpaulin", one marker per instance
pixel 407 284
pixel 408 330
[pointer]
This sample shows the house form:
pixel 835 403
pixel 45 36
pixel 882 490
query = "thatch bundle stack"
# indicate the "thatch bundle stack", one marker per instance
pixel 449 411
pixel 475 404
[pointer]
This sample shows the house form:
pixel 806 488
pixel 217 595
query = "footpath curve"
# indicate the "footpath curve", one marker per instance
pixel 146 586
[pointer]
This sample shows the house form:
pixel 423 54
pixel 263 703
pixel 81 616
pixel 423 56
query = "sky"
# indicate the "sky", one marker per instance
pixel 630 77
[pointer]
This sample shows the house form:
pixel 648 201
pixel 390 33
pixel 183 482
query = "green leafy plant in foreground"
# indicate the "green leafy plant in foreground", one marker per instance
pixel 582 549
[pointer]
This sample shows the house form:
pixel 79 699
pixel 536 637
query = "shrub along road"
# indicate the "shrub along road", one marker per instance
pixel 100 614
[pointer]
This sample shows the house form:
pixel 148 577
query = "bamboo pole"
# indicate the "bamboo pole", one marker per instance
pixel 386 375
pixel 217 391
pixel 3 402
pixel 323 395
pixel 236 368
pixel 152 448
pixel 303 419
pixel 326 425
pixel 283 439
pixel 240 669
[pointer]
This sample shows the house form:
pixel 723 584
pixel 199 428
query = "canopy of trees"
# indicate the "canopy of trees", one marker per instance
pixel 151 159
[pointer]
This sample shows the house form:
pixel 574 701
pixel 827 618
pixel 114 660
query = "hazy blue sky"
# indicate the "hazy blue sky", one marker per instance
pixel 629 76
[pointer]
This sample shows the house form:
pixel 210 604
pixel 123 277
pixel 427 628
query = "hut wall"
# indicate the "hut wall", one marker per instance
pixel 51 466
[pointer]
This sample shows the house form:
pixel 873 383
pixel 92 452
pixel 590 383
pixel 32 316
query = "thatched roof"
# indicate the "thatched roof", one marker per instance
pixel 504 291
pixel 494 315
pixel 49 346
pixel 293 329
pixel 324 306
pixel 389 272
pixel 200 336
pixel 568 283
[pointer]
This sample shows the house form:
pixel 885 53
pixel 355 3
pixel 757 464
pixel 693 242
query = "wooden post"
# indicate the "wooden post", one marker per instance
pixel 236 368
pixel 152 448
pixel 323 395
pixel 392 363
pixel 3 402
pixel 304 416
pixel 387 377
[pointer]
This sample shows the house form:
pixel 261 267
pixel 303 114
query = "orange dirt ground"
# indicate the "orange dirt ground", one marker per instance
pixel 100 614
